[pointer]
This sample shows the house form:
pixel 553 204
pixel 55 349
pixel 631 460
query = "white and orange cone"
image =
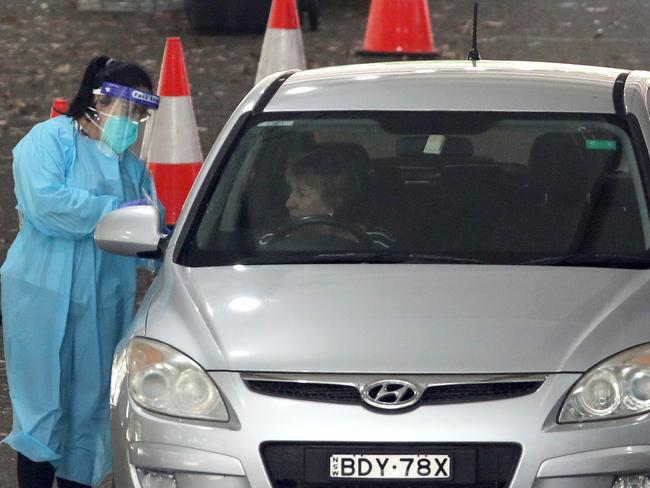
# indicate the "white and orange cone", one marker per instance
pixel 282 48
pixel 172 143
pixel 399 27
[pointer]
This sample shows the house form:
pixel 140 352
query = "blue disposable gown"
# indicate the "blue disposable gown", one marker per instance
pixel 65 302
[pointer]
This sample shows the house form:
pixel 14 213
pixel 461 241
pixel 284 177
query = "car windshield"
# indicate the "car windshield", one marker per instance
pixel 430 187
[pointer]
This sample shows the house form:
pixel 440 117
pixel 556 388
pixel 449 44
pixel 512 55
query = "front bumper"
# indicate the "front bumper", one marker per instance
pixel 204 454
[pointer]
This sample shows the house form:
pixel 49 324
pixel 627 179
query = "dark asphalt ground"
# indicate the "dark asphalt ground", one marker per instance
pixel 45 45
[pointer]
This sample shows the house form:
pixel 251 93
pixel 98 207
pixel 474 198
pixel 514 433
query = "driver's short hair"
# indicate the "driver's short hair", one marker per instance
pixel 332 170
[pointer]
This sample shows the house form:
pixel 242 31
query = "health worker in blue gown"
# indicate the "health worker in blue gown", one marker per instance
pixel 65 302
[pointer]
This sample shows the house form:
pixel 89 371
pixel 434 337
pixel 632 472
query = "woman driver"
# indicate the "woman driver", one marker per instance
pixel 323 183
pixel 326 182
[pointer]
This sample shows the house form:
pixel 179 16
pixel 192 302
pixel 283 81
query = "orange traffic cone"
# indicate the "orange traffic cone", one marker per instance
pixel 282 48
pixel 400 27
pixel 59 107
pixel 173 148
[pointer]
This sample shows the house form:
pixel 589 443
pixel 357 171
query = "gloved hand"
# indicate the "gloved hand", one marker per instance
pixel 133 203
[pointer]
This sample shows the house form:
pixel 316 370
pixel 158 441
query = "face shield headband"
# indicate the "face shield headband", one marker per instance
pixel 138 97
pixel 122 109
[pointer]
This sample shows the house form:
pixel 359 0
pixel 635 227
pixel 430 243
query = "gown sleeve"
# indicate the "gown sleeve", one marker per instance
pixel 148 187
pixel 44 198
pixel 140 185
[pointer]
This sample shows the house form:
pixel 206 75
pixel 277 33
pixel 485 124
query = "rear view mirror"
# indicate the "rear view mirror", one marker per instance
pixel 130 231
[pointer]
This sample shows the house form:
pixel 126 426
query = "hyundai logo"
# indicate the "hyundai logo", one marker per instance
pixel 390 394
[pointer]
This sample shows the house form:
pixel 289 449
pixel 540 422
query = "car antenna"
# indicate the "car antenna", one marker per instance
pixel 473 54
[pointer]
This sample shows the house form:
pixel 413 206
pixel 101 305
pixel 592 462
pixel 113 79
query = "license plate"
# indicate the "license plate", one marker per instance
pixel 390 466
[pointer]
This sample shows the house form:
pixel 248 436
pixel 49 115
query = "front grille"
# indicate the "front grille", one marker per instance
pixel 477 392
pixel 307 391
pixel 433 395
pixel 305 465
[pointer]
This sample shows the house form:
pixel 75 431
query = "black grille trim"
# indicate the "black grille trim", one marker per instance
pixel 319 392
pixel 433 395
pixel 477 392
pixel 290 465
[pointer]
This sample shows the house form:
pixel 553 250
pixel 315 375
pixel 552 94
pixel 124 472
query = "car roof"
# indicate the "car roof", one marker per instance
pixel 518 86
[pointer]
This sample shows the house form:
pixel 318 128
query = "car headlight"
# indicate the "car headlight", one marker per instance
pixel 163 380
pixel 618 387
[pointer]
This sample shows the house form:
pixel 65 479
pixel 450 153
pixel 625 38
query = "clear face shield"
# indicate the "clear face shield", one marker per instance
pixel 119 110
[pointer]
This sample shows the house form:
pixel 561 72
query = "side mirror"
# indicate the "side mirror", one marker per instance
pixel 130 231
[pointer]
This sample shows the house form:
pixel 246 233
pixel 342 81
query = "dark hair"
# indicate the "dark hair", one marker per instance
pixel 101 69
pixel 332 171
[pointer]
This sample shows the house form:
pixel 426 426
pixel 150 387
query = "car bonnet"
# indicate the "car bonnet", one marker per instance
pixel 401 318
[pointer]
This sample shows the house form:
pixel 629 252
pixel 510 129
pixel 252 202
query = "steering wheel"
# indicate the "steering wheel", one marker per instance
pixel 311 220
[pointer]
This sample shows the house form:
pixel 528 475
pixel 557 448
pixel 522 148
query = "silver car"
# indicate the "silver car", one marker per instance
pixel 403 275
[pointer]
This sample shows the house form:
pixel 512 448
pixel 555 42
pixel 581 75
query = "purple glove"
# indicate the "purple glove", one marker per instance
pixel 133 203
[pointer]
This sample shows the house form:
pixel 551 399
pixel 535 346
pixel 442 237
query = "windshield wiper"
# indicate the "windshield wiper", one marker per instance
pixel 400 258
pixel 320 258
pixel 354 257
pixel 440 258
pixel 595 260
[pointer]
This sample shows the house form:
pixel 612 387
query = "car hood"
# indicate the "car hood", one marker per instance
pixel 368 318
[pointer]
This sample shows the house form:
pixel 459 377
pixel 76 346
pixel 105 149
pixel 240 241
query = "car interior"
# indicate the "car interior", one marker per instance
pixel 517 189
